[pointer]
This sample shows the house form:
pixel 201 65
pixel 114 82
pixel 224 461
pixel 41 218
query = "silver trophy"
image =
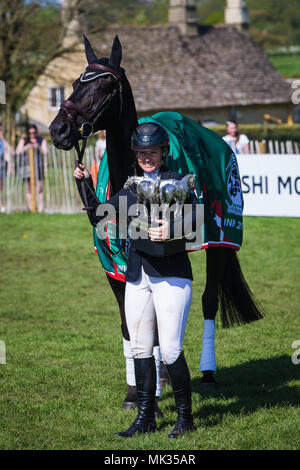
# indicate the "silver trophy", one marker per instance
pixel 162 197
pixel 147 189
pixel 176 191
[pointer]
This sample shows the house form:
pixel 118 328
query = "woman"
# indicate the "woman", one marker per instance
pixel 239 143
pixel 158 292
pixel 31 140
pixel 5 152
pixel 99 152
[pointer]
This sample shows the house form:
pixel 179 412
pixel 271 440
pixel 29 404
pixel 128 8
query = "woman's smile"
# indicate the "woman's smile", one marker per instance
pixel 149 160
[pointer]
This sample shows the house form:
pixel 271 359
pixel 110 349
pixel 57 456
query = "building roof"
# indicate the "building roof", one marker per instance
pixel 222 66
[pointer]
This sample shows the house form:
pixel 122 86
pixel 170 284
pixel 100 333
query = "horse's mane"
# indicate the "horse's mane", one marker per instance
pixel 120 155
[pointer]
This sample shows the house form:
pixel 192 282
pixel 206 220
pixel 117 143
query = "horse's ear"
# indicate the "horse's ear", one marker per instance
pixel 116 53
pixel 90 54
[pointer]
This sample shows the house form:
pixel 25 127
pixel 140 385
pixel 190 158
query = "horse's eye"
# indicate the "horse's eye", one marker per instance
pixel 104 84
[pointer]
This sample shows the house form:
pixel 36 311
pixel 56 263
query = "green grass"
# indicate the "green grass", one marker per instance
pixel 287 65
pixel 64 379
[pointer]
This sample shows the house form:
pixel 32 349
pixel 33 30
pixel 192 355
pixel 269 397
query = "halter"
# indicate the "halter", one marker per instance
pixel 92 72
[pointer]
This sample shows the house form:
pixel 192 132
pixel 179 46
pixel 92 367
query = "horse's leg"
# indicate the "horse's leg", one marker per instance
pixel 225 283
pixel 130 400
pixel 118 289
pixel 216 259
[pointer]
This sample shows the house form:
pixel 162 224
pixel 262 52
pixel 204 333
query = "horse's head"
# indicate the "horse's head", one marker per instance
pixel 96 99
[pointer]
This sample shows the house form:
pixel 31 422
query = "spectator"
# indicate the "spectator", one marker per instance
pixel 5 151
pixel 239 143
pixel 100 149
pixel 41 148
pixel 100 146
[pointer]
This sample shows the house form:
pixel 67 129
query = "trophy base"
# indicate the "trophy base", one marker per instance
pixel 160 249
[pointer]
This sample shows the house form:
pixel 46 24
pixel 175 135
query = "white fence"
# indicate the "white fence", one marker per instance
pixel 55 171
pixel 60 194
pixel 275 147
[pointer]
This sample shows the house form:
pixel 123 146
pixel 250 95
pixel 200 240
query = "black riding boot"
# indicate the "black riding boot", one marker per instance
pixel 145 376
pixel 181 384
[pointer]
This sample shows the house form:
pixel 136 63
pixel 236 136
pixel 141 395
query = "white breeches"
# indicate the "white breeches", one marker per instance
pixel 164 302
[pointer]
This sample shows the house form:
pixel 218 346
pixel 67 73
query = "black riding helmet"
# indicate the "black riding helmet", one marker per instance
pixel 150 135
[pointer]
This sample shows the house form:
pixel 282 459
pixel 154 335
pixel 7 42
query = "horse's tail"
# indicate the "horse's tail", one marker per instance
pixel 237 303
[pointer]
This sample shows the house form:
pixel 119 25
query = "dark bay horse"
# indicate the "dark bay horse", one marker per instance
pixel 102 99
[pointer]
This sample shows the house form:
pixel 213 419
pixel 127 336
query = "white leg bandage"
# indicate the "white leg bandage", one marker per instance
pixel 130 376
pixel 157 357
pixel 208 356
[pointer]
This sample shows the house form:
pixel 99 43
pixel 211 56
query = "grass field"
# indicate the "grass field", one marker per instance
pixel 64 379
pixel 287 65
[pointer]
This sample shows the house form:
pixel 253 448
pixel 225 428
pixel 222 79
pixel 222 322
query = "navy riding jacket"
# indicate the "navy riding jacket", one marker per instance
pixel 177 265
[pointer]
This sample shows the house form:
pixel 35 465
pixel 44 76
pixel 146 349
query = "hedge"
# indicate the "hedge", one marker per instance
pixel 280 133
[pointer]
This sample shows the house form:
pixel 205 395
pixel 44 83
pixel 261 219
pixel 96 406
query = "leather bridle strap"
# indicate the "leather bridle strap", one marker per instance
pixel 67 104
pixel 104 69
pixel 87 128
pixel 91 120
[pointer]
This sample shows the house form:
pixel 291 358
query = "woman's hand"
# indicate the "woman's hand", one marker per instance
pixel 161 233
pixel 31 145
pixel 81 172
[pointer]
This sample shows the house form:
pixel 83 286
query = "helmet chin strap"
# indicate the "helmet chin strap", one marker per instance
pixel 165 153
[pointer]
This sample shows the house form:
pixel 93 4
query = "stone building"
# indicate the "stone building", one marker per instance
pixel 209 73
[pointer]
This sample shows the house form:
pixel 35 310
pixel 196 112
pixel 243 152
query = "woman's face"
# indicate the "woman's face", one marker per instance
pixel 232 129
pixel 32 132
pixel 149 160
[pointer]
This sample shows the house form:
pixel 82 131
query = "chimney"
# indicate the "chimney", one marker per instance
pixel 236 14
pixel 183 14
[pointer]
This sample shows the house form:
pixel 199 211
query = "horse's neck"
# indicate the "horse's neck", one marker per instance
pixel 118 142
pixel 118 158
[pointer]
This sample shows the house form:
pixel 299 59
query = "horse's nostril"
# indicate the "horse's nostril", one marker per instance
pixel 63 129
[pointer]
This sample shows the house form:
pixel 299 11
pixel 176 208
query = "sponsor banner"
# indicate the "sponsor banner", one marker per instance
pixel 270 184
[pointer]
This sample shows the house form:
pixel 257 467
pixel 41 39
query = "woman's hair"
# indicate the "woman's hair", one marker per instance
pixel 231 121
pixel 30 126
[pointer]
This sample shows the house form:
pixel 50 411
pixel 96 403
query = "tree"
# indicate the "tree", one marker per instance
pixel 211 11
pixel 273 23
pixel 31 35
pixel 276 24
pixel 97 15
